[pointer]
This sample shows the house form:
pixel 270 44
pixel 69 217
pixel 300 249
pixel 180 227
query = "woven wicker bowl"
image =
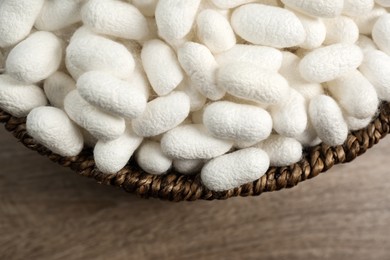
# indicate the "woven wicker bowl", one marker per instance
pixel 177 187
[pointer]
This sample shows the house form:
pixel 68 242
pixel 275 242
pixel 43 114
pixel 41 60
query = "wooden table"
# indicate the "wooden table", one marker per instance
pixel 48 212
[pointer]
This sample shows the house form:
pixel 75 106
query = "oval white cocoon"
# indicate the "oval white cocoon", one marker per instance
pixel 366 43
pixel 193 142
pixel 200 65
pixel 246 81
pixel 357 8
pixel 115 18
pixel 263 57
pixel 18 98
pixel 290 117
pixel 215 31
pixel 58 14
pixel 188 166
pixel 111 156
pixel 112 94
pixel 35 58
pixel 315 31
pixel 341 29
pixel 151 158
pixel 161 66
pixel 328 63
pixel 355 94
pixel 355 124
pixel 376 68
pixel 327 119
pixel 87 52
pixel 100 124
pixel 175 18
pixel 317 8
pixel 17 19
pixel 290 71
pixel 282 151
pixel 366 21
pixel 235 169
pixel 162 114
pixel 268 25
pixel 52 128
pixel 57 86
pixel 244 123
pixel 381 33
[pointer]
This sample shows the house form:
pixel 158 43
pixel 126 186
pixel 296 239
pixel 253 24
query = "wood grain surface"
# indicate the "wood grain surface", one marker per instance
pixel 48 212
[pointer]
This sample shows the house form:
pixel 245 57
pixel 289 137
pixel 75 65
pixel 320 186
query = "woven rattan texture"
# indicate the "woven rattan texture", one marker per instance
pixel 177 187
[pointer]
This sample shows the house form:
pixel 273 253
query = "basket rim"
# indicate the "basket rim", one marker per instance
pixel 174 186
